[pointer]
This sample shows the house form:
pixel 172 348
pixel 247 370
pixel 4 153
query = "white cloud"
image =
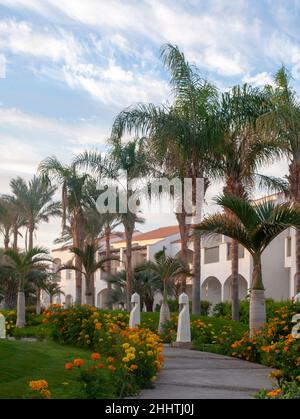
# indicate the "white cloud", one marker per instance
pixel 260 79
pixel 3 62
pixel 22 38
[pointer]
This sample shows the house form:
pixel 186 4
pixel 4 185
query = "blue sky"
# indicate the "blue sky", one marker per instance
pixel 67 67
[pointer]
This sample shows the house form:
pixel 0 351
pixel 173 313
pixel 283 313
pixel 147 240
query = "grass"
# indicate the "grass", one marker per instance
pixel 22 361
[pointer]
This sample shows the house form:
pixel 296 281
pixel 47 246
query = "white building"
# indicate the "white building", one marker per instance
pixel 278 264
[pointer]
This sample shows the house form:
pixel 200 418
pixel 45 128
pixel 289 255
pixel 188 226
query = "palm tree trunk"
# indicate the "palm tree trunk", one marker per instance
pixel 164 313
pixel 21 321
pixel 257 315
pixel 128 236
pixel 234 279
pixel 89 293
pixel 196 306
pixel 15 242
pixel 38 301
pixel 184 237
pixel 297 274
pixel 149 303
pixel 6 241
pixel 30 239
pixel 78 241
pixel 107 233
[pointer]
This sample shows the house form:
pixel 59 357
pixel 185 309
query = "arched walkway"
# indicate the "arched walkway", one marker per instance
pixel 243 289
pixel 68 300
pixel 211 290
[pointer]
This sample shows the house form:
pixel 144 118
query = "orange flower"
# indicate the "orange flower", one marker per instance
pixel 112 368
pixel 46 393
pixel 100 365
pixel 68 366
pixel 110 359
pixel 95 356
pixel 78 362
pixel 133 367
pixel 97 326
pixel 38 385
pixel 274 393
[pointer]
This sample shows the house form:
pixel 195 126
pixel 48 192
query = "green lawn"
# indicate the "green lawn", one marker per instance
pixel 22 361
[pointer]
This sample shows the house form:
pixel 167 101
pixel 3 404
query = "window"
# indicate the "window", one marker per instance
pixel 288 247
pixel 241 251
pixel 69 274
pixel 211 254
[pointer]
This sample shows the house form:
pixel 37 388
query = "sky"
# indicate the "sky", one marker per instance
pixel 68 67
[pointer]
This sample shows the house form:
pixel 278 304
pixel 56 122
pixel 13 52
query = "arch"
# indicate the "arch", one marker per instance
pixel 103 297
pixel 68 300
pixel 243 288
pixel 211 290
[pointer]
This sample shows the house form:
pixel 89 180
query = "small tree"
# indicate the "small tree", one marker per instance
pixel 254 227
pixel 165 269
pixel 22 264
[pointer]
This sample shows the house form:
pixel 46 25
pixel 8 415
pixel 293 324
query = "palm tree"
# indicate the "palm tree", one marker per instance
pixel 283 123
pixel 145 283
pixel 130 158
pixel 90 264
pixel 6 221
pixel 239 154
pixel 52 288
pixel 8 283
pixel 165 269
pixel 254 226
pixel 35 202
pixel 22 264
pixel 73 201
pixel 181 136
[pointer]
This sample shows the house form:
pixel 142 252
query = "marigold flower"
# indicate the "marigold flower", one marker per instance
pixel 110 359
pixel 78 362
pixel 95 356
pixel 100 365
pixel 112 368
pixel 68 366
pixel 274 393
pixel 38 385
pixel 276 374
pixel 133 367
pixel 46 393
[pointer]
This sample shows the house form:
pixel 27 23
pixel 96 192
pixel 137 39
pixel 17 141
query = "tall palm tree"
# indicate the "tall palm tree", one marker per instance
pixel 22 264
pixel 73 201
pixel 254 226
pixel 241 151
pixel 164 269
pixel 35 202
pixel 131 158
pixel 182 136
pixel 91 264
pixel 283 123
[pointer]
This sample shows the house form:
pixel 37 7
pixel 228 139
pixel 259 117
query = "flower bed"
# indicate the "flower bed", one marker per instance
pixel 133 355
pixel 274 346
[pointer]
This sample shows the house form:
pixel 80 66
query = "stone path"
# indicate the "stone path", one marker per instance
pixel 191 374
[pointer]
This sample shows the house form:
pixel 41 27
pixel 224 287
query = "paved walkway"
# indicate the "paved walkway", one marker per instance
pixel 201 375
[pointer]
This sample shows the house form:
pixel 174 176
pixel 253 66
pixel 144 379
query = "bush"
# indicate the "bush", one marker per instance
pixel 274 346
pixel 133 355
pixel 223 310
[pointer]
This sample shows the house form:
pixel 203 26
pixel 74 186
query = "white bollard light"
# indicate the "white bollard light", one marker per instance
pixel 135 314
pixel 184 324
pixel 2 327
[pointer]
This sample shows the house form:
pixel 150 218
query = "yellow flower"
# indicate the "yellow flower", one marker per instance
pixel 150 353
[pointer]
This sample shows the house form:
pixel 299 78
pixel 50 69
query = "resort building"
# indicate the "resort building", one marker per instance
pixel 278 264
